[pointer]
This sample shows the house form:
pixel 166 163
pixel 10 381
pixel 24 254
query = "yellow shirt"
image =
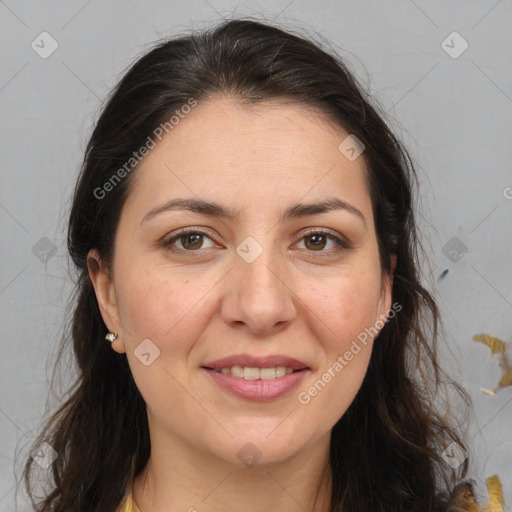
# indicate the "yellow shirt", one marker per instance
pixel 128 505
pixel 469 504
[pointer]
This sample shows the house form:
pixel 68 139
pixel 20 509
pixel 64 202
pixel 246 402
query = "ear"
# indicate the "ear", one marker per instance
pixel 387 287
pixel 102 281
pixel 393 265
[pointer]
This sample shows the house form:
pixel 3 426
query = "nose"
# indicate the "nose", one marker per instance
pixel 258 297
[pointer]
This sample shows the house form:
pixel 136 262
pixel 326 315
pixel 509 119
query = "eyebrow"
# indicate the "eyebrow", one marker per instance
pixel 294 211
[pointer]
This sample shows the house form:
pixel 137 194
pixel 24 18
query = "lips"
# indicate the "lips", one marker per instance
pixel 257 390
pixel 256 362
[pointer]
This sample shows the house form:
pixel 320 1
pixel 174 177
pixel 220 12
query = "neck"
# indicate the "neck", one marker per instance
pixel 179 477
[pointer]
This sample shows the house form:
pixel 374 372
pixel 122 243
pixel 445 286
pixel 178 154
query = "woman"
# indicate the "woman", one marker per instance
pixel 244 233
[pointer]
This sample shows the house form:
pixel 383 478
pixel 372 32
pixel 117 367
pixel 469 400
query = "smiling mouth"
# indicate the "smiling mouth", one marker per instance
pixel 257 384
pixel 254 373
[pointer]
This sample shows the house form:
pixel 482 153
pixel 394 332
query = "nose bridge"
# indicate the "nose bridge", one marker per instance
pixel 258 265
pixel 258 294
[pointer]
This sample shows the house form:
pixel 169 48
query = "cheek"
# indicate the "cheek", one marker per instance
pixel 151 304
pixel 346 306
pixel 170 307
pixel 346 310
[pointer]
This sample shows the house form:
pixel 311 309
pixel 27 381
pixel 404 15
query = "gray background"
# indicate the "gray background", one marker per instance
pixel 452 113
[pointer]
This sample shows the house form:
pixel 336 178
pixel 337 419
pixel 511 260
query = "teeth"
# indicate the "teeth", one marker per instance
pixel 268 373
pixel 237 371
pixel 249 373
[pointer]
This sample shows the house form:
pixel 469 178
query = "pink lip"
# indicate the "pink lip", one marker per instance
pixel 256 362
pixel 258 389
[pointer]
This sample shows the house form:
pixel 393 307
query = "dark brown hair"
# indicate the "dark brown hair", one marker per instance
pixel 386 449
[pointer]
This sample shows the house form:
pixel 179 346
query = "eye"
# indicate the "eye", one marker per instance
pixel 190 239
pixel 316 241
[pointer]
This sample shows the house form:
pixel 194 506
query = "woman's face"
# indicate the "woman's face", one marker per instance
pixel 257 284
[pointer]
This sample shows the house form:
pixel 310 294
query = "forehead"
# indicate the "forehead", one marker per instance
pixel 269 151
pixel 225 127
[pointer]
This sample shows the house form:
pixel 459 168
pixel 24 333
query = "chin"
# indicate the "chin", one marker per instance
pixel 256 449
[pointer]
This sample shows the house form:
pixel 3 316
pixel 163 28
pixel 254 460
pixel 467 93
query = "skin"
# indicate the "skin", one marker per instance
pixel 209 303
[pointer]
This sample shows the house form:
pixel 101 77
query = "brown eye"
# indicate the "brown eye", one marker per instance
pixel 318 241
pixel 190 241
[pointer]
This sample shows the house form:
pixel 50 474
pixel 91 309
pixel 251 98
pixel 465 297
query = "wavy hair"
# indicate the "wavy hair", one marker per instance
pixel 386 450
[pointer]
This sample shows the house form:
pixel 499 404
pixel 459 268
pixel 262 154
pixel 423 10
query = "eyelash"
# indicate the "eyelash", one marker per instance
pixel 341 244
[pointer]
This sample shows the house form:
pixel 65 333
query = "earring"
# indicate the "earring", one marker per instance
pixel 111 336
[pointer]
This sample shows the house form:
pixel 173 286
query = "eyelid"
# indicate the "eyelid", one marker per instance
pixel 167 240
pixel 342 243
pixel 325 231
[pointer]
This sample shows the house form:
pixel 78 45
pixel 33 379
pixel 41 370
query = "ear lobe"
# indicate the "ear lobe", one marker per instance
pixel 104 289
